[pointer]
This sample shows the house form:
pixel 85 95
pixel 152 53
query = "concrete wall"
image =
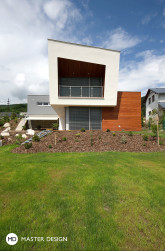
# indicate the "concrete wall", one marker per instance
pixel 105 57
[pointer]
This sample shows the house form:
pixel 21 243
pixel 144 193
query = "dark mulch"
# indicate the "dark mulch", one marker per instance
pixel 92 141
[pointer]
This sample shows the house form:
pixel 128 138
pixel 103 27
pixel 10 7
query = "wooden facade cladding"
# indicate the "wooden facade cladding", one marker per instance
pixel 126 115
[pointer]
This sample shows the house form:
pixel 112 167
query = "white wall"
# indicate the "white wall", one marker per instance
pixel 87 54
pixel 152 106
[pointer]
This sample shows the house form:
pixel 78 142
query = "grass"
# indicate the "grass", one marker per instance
pixel 99 201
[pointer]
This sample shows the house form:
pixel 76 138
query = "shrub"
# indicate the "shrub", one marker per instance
pixel 36 138
pixel 77 135
pixel 154 130
pixel 55 126
pixel 82 130
pixel 6 118
pixel 1 137
pixel 16 120
pixel 19 139
pixel 99 137
pixel 161 143
pixel 108 130
pixel 130 133
pixel 24 127
pixel 1 122
pixel 27 145
pixel 13 115
pixel 64 139
pixel 144 144
pixel 145 137
pixel 114 134
pixel 123 140
pixel 50 146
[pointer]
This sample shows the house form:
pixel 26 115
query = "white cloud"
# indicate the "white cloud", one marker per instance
pixel 24 28
pixel 146 73
pixel 119 39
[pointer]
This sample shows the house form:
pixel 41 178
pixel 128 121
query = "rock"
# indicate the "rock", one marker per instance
pixel 17 134
pixel 30 132
pixel 6 125
pixel 5 134
pixel 24 136
pixel 9 139
pixel 7 129
pixel 0 142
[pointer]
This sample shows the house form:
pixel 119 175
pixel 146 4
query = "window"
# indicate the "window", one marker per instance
pixel 85 117
pixel 43 103
pixel 149 100
pixel 153 98
pixel 150 113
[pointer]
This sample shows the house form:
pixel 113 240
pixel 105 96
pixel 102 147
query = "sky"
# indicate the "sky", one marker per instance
pixel 135 27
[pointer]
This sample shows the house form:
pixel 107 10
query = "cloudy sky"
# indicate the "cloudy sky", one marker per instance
pixel 135 27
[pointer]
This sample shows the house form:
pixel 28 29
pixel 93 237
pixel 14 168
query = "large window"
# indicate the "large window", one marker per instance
pixel 81 87
pixel 89 118
pixel 153 98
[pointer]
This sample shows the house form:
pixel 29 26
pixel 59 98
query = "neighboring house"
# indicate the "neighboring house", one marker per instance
pixel 154 99
pixel 40 112
pixel 83 90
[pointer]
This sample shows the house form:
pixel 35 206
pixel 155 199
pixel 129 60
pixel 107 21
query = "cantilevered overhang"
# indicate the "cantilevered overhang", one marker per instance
pixel 102 58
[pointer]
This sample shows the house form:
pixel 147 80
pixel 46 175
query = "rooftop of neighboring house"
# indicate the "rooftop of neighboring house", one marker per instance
pixel 155 90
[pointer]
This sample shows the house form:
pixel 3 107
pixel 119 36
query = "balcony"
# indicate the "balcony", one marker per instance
pixel 81 91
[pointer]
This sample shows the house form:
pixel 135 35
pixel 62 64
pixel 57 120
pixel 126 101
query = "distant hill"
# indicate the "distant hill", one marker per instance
pixel 17 108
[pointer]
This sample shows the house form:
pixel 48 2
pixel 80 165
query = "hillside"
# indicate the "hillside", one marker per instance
pixel 17 108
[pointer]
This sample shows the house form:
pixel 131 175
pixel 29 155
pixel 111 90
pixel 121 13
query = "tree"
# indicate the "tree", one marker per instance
pixel 155 112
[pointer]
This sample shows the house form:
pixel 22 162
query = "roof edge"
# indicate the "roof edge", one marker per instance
pixel 95 47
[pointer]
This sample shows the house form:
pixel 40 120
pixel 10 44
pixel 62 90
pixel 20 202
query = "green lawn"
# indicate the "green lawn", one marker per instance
pixel 99 201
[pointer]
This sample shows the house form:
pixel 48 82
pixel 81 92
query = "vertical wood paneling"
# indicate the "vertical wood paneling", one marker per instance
pixel 126 115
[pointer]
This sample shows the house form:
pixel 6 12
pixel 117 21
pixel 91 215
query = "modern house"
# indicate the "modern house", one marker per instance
pixel 154 99
pixel 83 91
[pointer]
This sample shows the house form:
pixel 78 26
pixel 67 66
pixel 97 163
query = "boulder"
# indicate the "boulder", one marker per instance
pixel 17 134
pixel 30 132
pixel 6 125
pixel 24 136
pixel 9 139
pixel 7 129
pixel 0 142
pixel 5 134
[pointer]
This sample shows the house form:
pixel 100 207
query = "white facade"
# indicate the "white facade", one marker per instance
pixel 151 105
pixel 109 58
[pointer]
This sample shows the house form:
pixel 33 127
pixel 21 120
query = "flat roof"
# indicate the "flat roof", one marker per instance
pixel 49 39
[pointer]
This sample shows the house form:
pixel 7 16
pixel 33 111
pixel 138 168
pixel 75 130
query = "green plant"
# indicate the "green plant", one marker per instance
pixel 114 134
pixel 16 120
pixel 145 137
pixel 154 130
pixel 13 115
pixel 36 138
pixel 6 118
pixel 24 127
pixel 17 142
pixel 144 144
pixel 1 122
pixel 82 130
pixel 77 135
pixel 64 139
pixel 99 137
pixel 108 130
pixel 130 133
pixel 161 143
pixel 55 126
pixel 1 137
pixel 27 145
pixel 76 140
pixel 50 146
pixel 19 139
pixel 123 139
